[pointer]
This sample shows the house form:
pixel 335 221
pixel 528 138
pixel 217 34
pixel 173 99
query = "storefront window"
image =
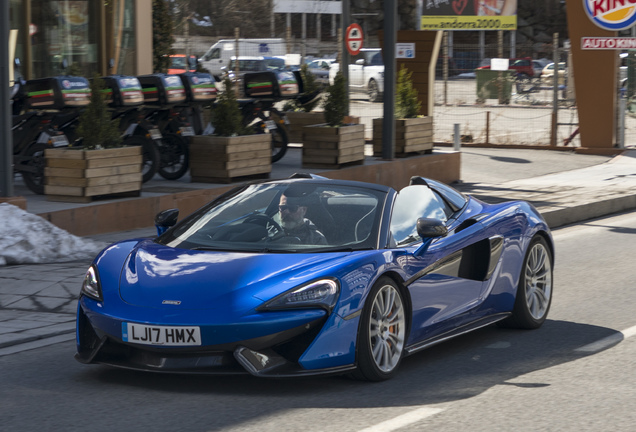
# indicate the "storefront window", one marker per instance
pixel 123 52
pixel 66 30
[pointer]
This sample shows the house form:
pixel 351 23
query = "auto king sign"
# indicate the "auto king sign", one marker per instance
pixel 611 15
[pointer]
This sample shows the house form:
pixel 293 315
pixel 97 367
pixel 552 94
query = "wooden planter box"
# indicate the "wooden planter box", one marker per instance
pixel 216 159
pixel 80 175
pixel 413 135
pixel 332 147
pixel 298 120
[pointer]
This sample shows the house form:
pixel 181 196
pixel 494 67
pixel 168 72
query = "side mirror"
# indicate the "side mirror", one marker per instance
pixel 166 219
pixel 360 62
pixel 430 228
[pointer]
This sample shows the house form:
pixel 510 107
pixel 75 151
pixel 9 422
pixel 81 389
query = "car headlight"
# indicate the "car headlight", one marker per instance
pixel 91 287
pixel 322 293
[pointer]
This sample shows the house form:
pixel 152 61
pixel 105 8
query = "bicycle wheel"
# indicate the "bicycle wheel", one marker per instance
pixel 174 157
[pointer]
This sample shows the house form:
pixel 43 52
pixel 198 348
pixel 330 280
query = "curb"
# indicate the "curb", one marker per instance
pixel 565 216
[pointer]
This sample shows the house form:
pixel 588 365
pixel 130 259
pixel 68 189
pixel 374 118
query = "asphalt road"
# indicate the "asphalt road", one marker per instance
pixel 559 377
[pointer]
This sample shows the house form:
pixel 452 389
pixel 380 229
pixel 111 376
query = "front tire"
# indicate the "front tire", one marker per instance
pixel 534 292
pixel 382 332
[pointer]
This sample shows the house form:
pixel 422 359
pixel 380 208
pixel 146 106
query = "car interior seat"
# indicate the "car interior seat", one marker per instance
pixel 320 216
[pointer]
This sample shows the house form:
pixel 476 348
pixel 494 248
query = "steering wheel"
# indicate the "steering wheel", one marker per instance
pixel 273 228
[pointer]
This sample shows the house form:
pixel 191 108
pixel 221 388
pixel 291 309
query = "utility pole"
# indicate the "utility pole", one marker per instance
pixel 345 60
pixel 6 139
pixel 390 39
pixel 555 94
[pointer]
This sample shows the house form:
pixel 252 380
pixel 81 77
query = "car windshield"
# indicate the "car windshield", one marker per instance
pixel 178 62
pixel 275 63
pixel 248 65
pixel 299 216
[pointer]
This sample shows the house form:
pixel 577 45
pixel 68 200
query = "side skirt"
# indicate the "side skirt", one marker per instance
pixel 483 322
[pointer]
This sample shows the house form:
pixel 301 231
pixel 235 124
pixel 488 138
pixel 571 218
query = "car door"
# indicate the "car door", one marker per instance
pixel 356 73
pixel 445 278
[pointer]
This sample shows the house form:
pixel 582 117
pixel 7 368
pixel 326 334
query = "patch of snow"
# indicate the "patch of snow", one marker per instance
pixel 26 238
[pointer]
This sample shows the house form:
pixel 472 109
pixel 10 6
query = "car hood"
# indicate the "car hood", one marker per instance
pixel 159 276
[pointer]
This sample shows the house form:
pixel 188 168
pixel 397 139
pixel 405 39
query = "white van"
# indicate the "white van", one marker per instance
pixel 220 53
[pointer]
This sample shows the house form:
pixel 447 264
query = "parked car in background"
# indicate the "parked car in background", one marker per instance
pixel 250 64
pixel 547 75
pixel 538 66
pixel 523 66
pixel 366 73
pixel 319 68
pixel 218 55
pixel 180 63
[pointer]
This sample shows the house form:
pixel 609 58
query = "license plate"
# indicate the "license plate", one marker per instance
pixel 160 335
pixel 59 141
pixel 271 124
pixel 187 131
pixel 155 134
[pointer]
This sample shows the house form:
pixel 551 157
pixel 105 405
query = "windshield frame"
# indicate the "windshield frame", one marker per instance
pixel 184 234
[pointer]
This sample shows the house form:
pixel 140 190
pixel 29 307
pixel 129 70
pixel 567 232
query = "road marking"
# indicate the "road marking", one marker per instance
pixel 608 341
pixel 403 420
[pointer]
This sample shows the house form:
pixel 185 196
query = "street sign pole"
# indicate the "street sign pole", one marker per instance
pixel 6 141
pixel 344 61
pixel 390 39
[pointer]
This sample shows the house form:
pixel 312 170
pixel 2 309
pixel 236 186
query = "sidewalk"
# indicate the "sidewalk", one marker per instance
pixel 38 302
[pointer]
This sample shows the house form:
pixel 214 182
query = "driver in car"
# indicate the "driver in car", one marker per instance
pixel 293 221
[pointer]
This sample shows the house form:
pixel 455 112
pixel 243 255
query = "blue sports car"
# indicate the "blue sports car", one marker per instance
pixel 309 275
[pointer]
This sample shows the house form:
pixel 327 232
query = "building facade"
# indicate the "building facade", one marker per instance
pixel 89 35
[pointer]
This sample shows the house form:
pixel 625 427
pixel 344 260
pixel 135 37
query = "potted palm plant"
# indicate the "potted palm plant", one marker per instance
pixel 413 133
pixel 232 150
pixel 97 164
pixel 334 143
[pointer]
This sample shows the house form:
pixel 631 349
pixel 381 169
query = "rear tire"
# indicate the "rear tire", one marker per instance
pixel 34 178
pixel 150 155
pixel 278 137
pixel 534 292
pixel 174 156
pixel 374 91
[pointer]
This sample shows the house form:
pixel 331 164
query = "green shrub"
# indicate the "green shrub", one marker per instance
pixel 335 104
pixel 406 103
pixel 226 115
pixel 96 126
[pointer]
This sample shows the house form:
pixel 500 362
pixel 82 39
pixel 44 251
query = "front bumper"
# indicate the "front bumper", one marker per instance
pixel 274 355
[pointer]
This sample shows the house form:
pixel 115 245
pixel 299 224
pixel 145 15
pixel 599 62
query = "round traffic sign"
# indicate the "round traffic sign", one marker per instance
pixel 353 39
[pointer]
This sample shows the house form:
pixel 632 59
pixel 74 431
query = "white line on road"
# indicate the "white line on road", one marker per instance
pixel 608 341
pixel 403 420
